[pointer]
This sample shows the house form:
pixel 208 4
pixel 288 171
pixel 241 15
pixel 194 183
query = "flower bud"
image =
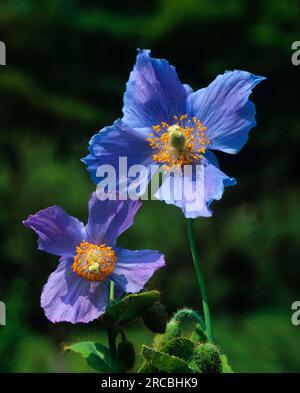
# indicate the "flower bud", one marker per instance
pixel 126 354
pixel 207 358
pixel 155 318
pixel 173 329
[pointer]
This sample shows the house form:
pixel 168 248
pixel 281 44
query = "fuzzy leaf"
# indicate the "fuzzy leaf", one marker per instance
pixel 130 307
pixel 164 362
pixel 180 347
pixel 147 368
pixel 96 355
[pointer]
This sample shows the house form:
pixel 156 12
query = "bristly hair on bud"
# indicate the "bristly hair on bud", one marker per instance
pixel 207 358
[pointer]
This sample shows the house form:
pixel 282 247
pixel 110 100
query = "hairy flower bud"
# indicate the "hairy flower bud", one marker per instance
pixel 207 358
pixel 173 329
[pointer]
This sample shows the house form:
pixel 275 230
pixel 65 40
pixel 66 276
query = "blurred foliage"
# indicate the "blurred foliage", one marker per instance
pixel 67 64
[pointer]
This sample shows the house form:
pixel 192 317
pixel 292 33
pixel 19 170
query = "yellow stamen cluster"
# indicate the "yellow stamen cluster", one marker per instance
pixel 180 143
pixel 94 263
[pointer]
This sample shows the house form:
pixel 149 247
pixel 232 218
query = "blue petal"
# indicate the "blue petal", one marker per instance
pixel 135 268
pixel 224 108
pixel 211 157
pixel 188 89
pixel 114 142
pixel 153 93
pixel 195 197
pixel 109 219
pixel 58 233
pixel 67 297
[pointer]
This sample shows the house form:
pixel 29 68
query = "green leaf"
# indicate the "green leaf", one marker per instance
pixel 129 307
pixel 96 355
pixel 180 347
pixel 164 362
pixel 225 366
pixel 98 364
pixel 147 368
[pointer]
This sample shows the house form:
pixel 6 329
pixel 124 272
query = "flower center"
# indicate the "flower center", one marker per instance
pixel 178 144
pixel 95 263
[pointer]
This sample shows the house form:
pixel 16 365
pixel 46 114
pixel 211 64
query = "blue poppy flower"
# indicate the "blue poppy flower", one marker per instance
pixel 167 124
pixel 78 290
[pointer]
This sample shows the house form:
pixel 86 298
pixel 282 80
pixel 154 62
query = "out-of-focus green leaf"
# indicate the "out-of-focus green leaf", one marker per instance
pixel 66 107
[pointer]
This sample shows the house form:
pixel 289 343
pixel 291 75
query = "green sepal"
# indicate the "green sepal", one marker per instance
pixel 164 362
pixel 96 355
pixel 129 307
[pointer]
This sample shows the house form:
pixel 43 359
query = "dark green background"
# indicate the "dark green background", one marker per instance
pixel 67 65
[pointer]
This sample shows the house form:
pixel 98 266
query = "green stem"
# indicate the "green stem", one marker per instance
pixel 111 331
pixel 111 292
pixel 200 278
